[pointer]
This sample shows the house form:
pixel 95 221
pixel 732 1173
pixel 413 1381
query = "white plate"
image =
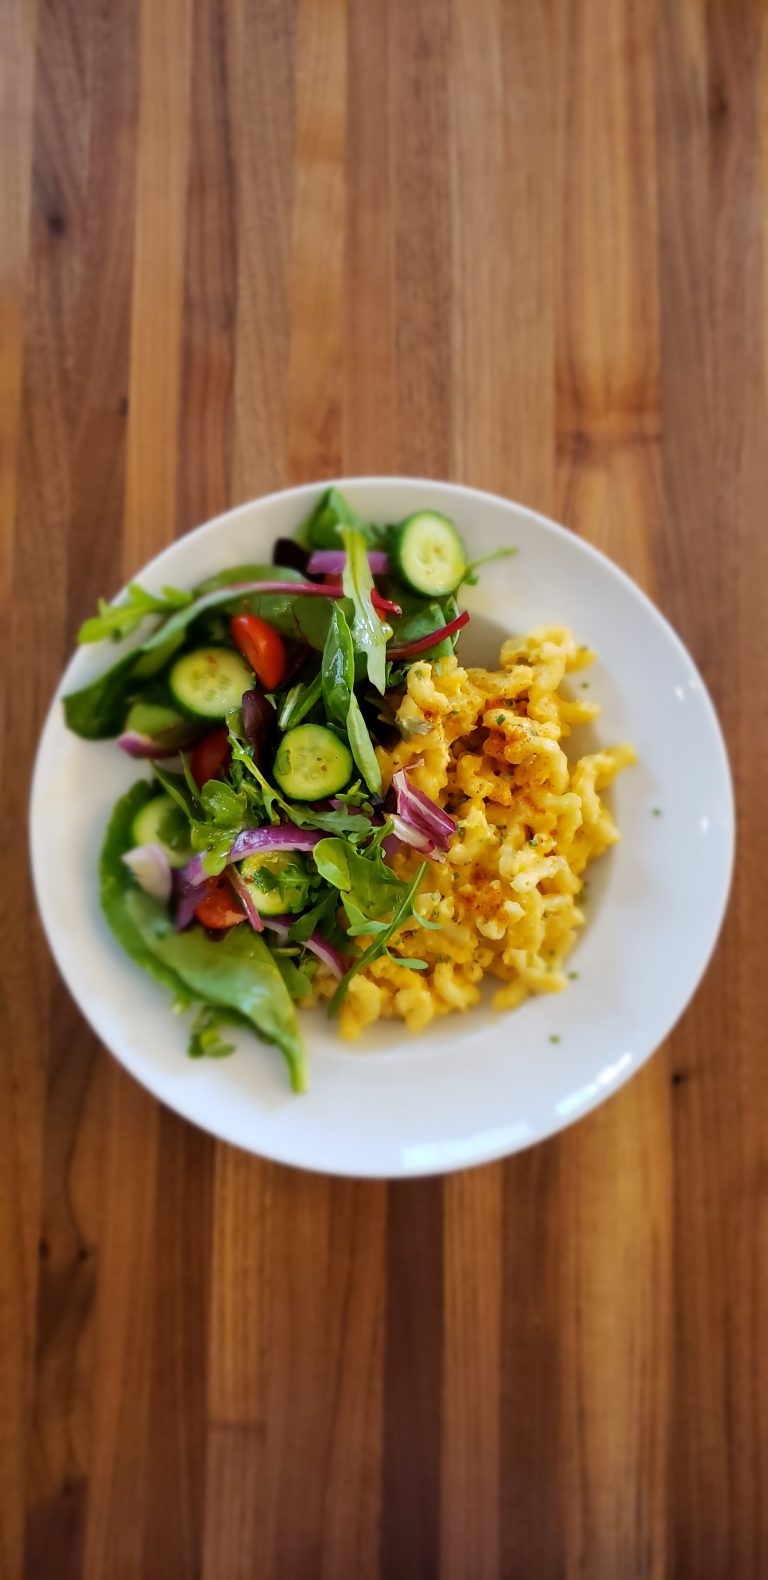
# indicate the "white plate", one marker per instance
pixel 475 1086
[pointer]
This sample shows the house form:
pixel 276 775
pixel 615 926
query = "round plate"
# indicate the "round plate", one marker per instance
pixel 476 1086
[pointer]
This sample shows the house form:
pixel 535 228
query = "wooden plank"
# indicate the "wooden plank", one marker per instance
pixel 21 1047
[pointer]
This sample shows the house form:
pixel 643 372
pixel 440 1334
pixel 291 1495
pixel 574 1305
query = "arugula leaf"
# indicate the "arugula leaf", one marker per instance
pixel 299 701
pixel 223 816
pixel 357 581
pixel 119 620
pixel 373 887
pixel 306 924
pixel 378 947
pixel 296 978
pixel 470 574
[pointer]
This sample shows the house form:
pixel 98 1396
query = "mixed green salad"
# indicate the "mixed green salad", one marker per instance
pixel 261 845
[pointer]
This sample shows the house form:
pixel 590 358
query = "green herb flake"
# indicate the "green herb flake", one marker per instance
pixel 555 1037
pixel 500 718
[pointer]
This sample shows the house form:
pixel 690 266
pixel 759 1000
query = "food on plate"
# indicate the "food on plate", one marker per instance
pixel 334 810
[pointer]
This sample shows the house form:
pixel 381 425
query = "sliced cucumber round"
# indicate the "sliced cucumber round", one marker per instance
pixel 209 681
pixel 277 882
pixel 161 822
pixel 312 762
pixel 428 554
pixel 160 723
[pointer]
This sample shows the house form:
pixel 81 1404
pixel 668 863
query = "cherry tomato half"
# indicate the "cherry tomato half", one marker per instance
pixel 261 647
pixel 210 755
pixel 218 907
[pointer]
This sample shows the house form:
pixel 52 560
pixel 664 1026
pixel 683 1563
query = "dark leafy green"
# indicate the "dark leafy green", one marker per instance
pixel 341 705
pixel 365 878
pixel 236 972
pixel 367 630
pixel 300 701
pixel 320 530
pixel 379 945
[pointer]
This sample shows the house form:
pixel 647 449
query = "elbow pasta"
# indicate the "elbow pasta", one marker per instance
pixel 488 746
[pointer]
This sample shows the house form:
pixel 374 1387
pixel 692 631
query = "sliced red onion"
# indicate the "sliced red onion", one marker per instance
pixel 409 649
pixel 328 953
pixel 408 834
pixel 390 846
pixel 330 956
pixel 143 746
pixel 245 897
pixel 188 894
pixel 151 869
pixel 309 589
pixel 331 562
pixel 421 812
pixel 262 841
pixel 258 841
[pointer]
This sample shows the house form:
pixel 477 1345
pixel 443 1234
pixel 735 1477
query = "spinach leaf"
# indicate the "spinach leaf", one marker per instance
pixel 341 705
pixel 236 972
pixel 296 979
pixel 98 710
pixel 116 884
pixel 332 510
pixel 362 746
pixel 379 944
pixel 118 620
pixel 367 630
pixel 338 668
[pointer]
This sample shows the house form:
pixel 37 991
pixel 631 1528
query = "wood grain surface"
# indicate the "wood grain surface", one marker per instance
pixel 518 243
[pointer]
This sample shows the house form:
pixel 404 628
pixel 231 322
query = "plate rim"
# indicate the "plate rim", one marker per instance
pixel 306 491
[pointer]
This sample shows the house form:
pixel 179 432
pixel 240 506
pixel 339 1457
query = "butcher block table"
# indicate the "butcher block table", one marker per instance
pixel 518 244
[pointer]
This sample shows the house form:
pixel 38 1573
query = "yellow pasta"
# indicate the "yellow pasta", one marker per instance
pixel 488 746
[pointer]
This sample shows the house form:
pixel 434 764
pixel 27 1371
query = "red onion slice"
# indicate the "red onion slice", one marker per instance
pixel 143 746
pixel 246 899
pixel 421 812
pixel 151 869
pixel 331 562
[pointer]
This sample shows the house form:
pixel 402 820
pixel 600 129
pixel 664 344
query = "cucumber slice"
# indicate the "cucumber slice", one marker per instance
pixel 161 822
pixel 160 723
pixel 312 762
pixel 209 681
pixel 428 554
pixel 278 882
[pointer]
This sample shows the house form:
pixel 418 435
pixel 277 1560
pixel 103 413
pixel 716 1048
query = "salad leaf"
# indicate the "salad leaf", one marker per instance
pixel 205 1040
pixel 362 746
pixel 338 668
pixel 470 575
pixel 373 887
pixel 120 619
pixel 116 884
pixel 320 530
pixel 236 972
pixel 296 978
pixel 341 704
pixel 98 710
pixel 300 701
pixel 367 630
pixel 305 925
pixel 379 944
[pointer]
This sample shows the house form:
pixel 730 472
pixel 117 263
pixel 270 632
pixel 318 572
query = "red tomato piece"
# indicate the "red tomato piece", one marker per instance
pixel 261 647
pixel 210 755
pixel 218 907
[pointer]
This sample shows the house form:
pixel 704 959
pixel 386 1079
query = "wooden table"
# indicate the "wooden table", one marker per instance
pixel 520 244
